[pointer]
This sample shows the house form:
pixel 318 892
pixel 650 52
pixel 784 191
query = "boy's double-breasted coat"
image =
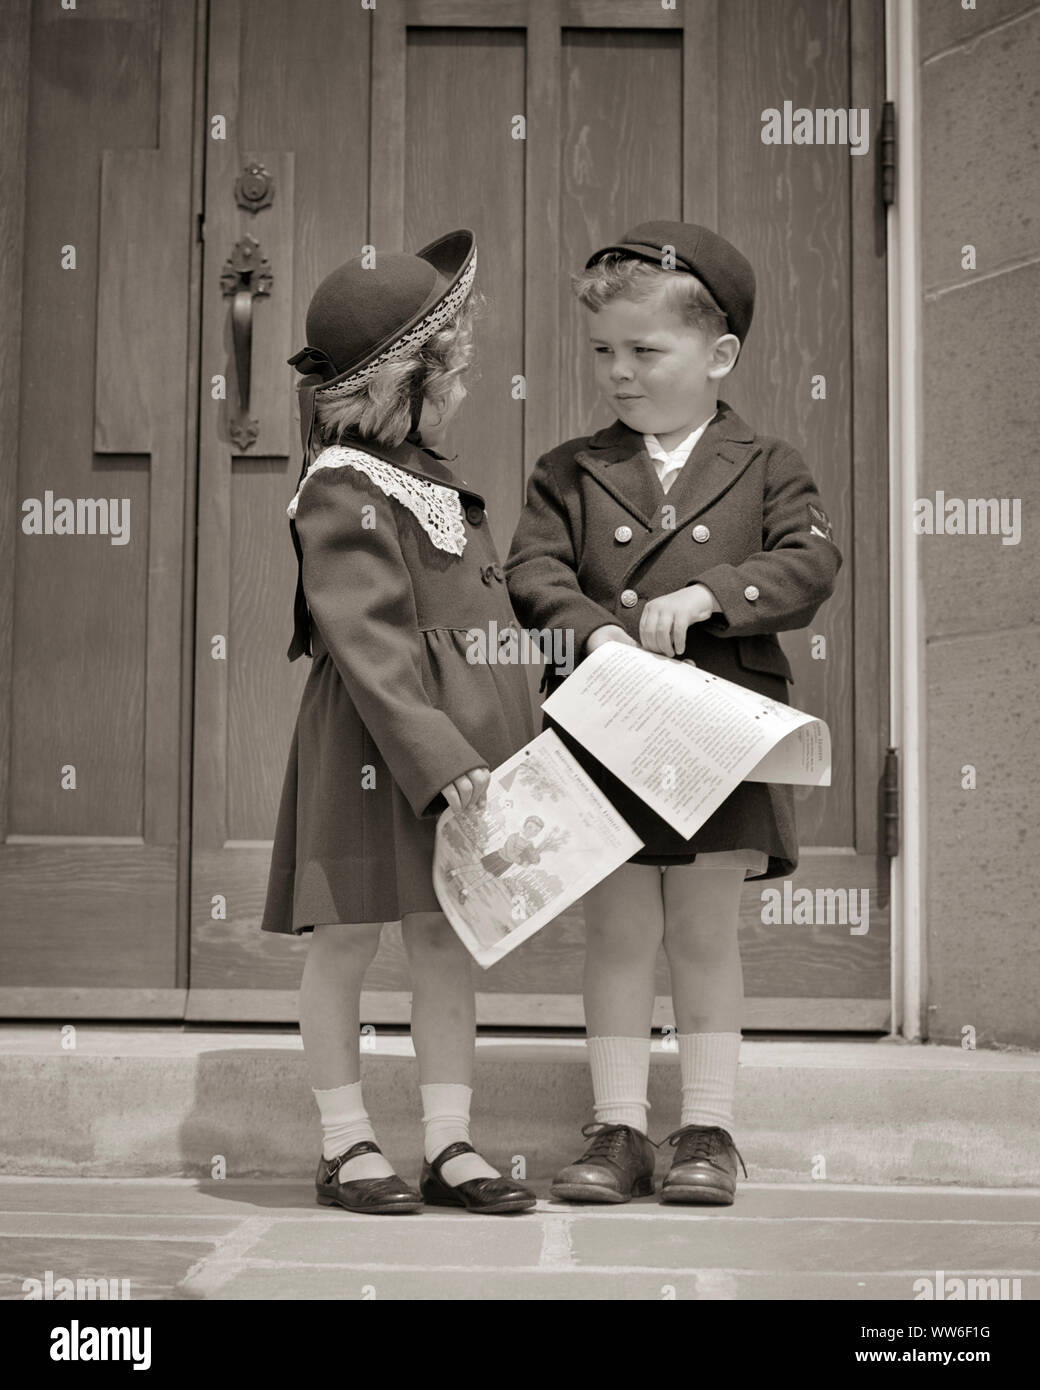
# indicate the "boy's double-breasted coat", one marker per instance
pixel 599 538
pixel 393 708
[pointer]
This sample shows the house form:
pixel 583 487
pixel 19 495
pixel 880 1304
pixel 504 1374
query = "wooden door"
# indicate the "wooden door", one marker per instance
pixel 401 122
pixel 292 84
pixel 95 285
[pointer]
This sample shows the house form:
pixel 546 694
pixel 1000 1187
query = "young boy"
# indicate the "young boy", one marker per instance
pixel 681 529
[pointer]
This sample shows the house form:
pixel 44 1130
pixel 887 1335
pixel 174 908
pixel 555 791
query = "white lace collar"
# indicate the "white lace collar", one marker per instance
pixel 437 509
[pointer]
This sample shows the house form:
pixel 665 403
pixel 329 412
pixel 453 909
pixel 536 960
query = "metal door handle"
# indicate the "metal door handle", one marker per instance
pixel 246 273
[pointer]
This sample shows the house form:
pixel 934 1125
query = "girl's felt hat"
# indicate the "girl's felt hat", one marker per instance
pixel 716 263
pixel 364 315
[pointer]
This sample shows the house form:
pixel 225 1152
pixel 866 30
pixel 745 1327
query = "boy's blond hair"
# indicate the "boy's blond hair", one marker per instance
pixel 618 276
pixel 381 407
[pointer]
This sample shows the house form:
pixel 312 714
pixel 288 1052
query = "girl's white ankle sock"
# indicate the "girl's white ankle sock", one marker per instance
pixel 345 1122
pixel 446 1121
pixel 708 1066
pixel 620 1072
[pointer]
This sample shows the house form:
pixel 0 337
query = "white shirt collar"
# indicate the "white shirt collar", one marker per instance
pixel 671 460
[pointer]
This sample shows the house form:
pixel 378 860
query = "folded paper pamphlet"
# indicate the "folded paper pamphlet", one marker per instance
pixel 680 738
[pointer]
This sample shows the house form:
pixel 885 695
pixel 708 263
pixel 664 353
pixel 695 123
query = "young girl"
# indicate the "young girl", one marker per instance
pixel 397 567
pixel 680 529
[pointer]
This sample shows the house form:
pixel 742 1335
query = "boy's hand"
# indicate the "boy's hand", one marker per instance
pixel 468 792
pixel 662 627
pixel 609 632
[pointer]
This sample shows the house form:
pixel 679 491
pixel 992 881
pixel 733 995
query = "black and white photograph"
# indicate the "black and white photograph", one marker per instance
pixel 369 933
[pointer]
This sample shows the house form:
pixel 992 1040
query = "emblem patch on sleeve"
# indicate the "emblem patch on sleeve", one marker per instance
pixel 819 524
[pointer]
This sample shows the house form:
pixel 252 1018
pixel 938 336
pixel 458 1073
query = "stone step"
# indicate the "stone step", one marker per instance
pixel 167 1101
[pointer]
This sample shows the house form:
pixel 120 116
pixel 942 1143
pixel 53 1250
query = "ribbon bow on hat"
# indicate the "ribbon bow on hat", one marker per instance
pixel 310 360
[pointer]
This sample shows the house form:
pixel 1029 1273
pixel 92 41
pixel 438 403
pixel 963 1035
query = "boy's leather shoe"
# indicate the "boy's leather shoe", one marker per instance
pixel 490 1196
pixel 377 1196
pixel 617 1166
pixel 704 1168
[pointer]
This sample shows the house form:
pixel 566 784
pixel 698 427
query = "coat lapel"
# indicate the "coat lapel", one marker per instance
pixel 719 457
pixel 617 459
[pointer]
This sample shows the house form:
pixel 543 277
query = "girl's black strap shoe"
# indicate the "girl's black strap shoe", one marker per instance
pixel 376 1196
pixel 491 1196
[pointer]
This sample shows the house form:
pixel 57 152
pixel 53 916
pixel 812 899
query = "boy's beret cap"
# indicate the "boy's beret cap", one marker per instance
pixel 716 263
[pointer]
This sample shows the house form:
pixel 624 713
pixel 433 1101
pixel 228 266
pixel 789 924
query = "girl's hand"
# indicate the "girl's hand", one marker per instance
pixel 468 792
pixel 663 624
pixel 609 632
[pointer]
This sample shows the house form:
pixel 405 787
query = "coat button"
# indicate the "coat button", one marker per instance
pixel 623 534
pixel 474 515
pixel 701 533
pixel 751 593
pixel 629 598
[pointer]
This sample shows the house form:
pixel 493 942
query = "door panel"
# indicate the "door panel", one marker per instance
pixel 464 88
pixel 791 217
pixel 621 162
pixel 92 637
pixel 310 137
pixel 447 80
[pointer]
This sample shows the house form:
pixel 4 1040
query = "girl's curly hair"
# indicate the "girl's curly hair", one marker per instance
pixel 381 407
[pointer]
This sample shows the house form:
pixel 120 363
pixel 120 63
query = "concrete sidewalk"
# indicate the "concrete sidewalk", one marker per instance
pixel 181 1239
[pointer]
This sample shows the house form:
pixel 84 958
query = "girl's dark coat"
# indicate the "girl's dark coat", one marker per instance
pixel 766 532
pixel 392 710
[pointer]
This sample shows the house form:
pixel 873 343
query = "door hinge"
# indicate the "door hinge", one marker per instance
pixel 888 154
pixel 890 805
pixel 200 226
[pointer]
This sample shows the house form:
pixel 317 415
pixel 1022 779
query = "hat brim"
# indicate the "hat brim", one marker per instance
pixel 450 253
pixel 454 258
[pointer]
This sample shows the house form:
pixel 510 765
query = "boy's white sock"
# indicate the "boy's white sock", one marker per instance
pixel 344 1123
pixel 620 1072
pixel 446 1121
pixel 708 1066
